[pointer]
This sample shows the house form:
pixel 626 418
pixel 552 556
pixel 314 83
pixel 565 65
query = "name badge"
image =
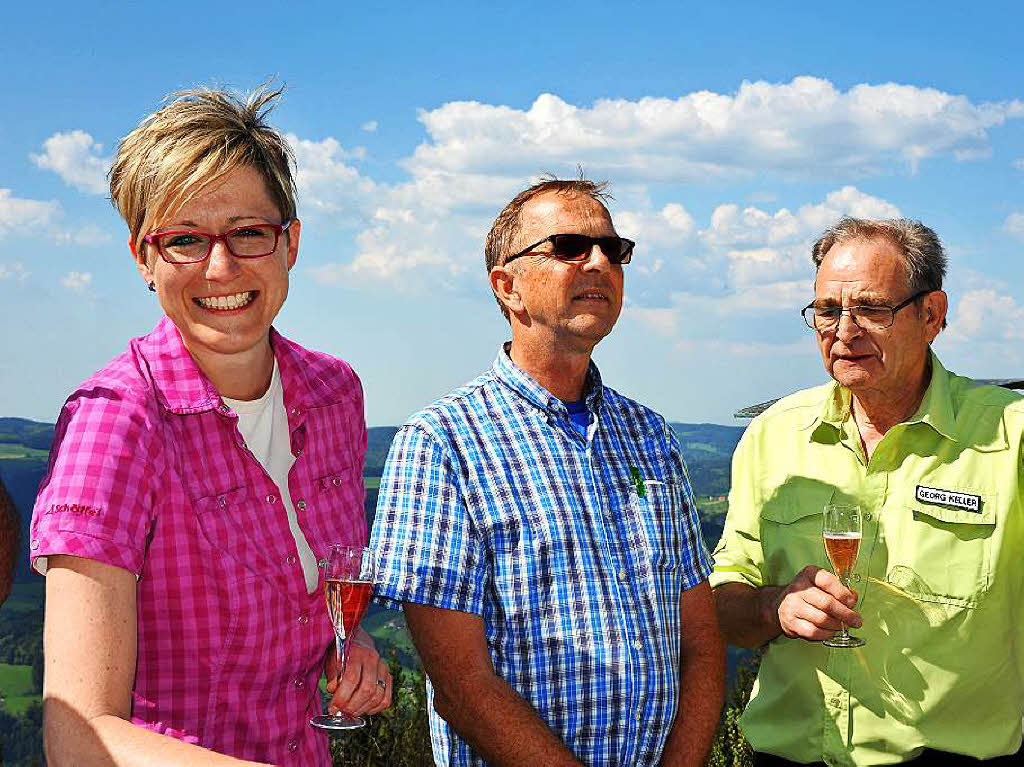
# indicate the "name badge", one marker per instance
pixel 935 495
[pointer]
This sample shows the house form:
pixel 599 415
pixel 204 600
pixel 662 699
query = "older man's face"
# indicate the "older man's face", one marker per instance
pixel 861 272
pixel 572 305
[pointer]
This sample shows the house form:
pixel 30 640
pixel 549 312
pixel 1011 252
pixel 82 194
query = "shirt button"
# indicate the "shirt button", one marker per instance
pixel 298 451
pixel 35 543
pixel 271 498
pixel 856 577
pixel 637 716
pixel 867 516
pixel 336 481
pixel 224 408
pixel 638 645
pixel 835 702
pixel 293 746
pixel 222 501
pixel 623 576
pixel 303 619
pixel 290 560
pixel 299 683
pixel 300 504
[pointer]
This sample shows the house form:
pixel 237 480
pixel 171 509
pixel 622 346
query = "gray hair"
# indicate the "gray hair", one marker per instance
pixel 923 254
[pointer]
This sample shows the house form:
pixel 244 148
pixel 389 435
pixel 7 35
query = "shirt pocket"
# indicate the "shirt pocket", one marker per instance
pixel 791 529
pixel 659 511
pixel 942 553
pixel 237 525
pixel 338 514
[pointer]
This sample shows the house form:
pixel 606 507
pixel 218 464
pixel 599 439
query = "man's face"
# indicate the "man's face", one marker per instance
pixel 862 272
pixel 569 304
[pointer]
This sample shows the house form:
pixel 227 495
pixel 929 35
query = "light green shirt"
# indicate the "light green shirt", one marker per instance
pixel 940 577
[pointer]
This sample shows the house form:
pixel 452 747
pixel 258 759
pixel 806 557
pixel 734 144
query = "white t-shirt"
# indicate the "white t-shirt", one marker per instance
pixel 263 423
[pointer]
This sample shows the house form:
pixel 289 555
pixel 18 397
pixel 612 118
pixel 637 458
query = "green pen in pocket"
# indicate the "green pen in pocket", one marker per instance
pixel 638 482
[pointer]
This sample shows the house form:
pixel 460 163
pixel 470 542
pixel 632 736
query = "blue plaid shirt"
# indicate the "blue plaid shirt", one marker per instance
pixel 492 503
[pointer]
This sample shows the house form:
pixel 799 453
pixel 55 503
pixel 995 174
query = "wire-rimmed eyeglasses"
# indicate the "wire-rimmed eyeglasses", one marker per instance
pixel 825 319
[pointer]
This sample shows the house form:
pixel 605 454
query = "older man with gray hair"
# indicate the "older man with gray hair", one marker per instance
pixel 934 673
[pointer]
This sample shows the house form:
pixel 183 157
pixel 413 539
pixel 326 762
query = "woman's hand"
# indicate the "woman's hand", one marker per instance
pixel 366 685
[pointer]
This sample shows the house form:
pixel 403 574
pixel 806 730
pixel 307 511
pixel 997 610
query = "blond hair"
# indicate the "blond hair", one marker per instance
pixel 196 138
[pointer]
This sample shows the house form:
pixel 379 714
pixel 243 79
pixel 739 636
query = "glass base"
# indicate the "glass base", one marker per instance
pixel 337 722
pixel 840 640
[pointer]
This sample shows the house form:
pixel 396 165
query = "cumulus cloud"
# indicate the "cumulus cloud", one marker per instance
pixel 28 217
pixel 24 215
pixel 77 159
pixel 329 182
pixel 986 314
pixel 477 156
pixel 806 126
pixel 77 282
pixel 1014 225
pixel 757 245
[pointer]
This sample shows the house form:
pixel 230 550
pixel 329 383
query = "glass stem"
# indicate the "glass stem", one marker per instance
pixel 843 633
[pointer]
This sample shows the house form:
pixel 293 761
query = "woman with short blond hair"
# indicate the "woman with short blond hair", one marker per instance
pixel 195 480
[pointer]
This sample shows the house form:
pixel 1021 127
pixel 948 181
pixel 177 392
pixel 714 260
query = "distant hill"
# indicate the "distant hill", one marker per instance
pixel 24 445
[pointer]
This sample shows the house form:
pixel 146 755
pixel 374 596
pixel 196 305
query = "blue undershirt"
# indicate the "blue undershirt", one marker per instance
pixel 579 415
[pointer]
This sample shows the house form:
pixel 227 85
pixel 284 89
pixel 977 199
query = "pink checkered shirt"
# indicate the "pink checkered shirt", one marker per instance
pixel 149 472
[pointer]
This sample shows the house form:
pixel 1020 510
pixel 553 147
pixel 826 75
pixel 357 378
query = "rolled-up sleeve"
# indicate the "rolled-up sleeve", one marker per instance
pixel 97 498
pixel 428 548
pixel 697 563
pixel 739 556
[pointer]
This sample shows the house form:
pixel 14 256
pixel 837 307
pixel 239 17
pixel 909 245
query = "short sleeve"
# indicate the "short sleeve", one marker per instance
pixel 739 556
pixel 428 549
pixel 97 498
pixel 697 563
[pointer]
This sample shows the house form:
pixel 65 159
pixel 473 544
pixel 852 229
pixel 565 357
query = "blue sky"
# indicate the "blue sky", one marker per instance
pixel 731 134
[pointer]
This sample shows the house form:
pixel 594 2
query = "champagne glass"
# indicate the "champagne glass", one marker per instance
pixel 349 575
pixel 842 533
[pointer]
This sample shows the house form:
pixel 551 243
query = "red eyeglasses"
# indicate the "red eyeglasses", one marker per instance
pixel 189 246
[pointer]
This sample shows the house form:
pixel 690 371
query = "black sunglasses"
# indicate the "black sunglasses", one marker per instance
pixel 577 247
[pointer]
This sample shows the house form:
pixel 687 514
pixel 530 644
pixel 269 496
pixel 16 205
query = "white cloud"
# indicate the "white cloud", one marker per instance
pixel 804 127
pixel 984 314
pixel 13 271
pixel 77 282
pixel 76 158
pixel 664 322
pixel 328 182
pixel 26 216
pixel 1014 225
pixel 758 245
pixel 1019 163
pixel 370 126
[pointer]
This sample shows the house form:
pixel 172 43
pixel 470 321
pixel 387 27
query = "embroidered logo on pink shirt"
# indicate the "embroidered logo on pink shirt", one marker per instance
pixel 73 508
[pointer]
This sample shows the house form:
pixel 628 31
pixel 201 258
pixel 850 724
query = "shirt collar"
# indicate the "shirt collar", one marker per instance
pixel 183 388
pixel 936 408
pixel 514 377
pixel 180 385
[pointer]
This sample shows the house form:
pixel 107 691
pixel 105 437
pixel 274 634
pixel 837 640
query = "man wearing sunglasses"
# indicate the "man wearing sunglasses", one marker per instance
pixel 540 532
pixel 934 462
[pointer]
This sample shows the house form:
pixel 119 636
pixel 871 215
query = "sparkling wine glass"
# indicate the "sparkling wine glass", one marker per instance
pixel 349 574
pixel 842 533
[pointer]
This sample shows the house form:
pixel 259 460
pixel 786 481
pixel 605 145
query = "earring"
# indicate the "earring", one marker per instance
pixel 151 286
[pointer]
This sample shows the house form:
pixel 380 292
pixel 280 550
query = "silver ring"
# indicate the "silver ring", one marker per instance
pixel 382 683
